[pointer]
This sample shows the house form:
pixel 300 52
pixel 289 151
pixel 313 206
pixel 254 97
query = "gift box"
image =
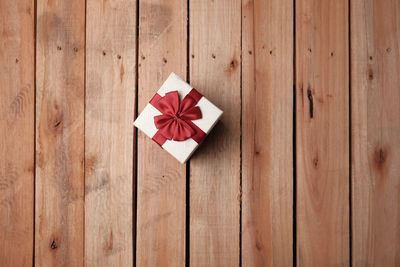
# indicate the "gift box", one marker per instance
pixel 178 118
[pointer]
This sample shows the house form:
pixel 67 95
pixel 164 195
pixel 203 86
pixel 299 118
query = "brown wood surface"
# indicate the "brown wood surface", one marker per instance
pixel 322 133
pixel 215 168
pixel 17 87
pixel 304 176
pixel 109 135
pixel 375 95
pixel 267 111
pixel 161 208
pixel 60 91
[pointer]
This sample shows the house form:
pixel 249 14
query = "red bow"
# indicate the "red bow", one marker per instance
pixel 175 121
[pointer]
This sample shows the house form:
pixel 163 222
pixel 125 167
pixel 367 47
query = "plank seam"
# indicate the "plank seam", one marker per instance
pixel 350 152
pixel 135 147
pixel 294 151
pixel 187 230
pixel 34 127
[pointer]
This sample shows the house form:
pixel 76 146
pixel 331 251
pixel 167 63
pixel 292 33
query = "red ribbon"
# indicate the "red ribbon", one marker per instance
pixel 175 123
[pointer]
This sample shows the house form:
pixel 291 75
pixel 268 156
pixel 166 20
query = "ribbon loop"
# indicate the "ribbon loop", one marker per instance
pixel 175 123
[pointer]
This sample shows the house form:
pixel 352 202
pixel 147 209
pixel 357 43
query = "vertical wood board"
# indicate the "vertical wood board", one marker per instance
pixel 161 211
pixel 375 95
pixel 16 132
pixel 109 135
pixel 267 133
pixel 215 38
pixel 322 133
pixel 60 51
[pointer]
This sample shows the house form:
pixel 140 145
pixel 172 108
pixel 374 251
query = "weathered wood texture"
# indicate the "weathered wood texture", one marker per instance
pixel 375 95
pixel 109 135
pixel 267 132
pixel 322 133
pixel 271 184
pixel 161 208
pixel 215 38
pixel 16 132
pixel 60 133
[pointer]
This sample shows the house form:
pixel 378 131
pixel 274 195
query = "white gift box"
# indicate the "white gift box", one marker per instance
pixel 181 150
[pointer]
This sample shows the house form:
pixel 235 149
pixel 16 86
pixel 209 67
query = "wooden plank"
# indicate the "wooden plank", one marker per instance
pixel 375 95
pixel 267 132
pixel 215 35
pixel 161 209
pixel 322 133
pixel 109 135
pixel 16 132
pixel 60 133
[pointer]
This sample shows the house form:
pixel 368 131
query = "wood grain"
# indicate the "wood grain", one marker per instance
pixel 161 178
pixel 109 135
pixel 16 132
pixel 322 133
pixel 267 132
pixel 375 95
pixel 60 133
pixel 215 35
pixel 241 58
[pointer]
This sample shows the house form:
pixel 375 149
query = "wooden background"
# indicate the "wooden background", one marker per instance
pixel 302 170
